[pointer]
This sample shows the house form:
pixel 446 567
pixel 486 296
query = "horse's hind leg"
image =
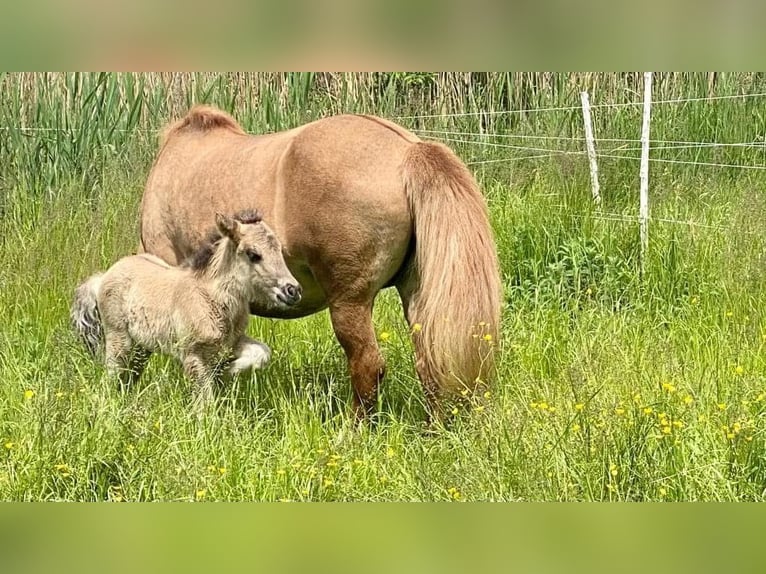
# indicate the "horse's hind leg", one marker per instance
pixel 352 323
pixel 406 288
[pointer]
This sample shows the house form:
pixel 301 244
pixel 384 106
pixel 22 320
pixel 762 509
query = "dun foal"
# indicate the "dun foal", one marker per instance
pixel 197 312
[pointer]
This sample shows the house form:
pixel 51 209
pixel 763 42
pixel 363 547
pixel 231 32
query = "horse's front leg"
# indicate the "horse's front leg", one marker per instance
pixel 249 354
pixel 352 323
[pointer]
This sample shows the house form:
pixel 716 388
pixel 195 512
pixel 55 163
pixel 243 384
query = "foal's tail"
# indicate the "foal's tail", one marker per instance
pixel 454 286
pixel 84 314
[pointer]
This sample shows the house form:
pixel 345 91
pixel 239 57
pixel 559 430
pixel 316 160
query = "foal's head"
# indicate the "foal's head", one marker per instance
pixel 247 248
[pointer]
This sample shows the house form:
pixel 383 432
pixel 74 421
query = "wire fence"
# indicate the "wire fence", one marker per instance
pixel 540 147
pixel 539 153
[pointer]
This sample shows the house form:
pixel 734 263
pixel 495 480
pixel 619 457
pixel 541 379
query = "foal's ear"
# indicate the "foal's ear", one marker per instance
pixel 227 226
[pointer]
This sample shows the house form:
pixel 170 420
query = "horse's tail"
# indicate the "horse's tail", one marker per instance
pixel 84 314
pixel 455 288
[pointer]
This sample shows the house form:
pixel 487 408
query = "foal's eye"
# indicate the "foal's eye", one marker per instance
pixel 253 256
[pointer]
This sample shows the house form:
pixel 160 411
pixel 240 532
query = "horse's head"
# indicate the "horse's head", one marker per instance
pixel 259 260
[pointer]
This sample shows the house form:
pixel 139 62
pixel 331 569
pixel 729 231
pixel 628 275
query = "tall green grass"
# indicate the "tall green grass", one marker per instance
pixel 612 385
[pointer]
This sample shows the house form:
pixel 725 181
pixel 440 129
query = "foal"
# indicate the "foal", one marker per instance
pixel 197 312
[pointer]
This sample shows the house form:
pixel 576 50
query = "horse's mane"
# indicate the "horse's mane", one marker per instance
pixel 202 118
pixel 200 260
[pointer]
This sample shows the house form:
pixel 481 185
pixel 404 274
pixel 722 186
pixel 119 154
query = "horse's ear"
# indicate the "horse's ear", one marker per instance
pixel 227 226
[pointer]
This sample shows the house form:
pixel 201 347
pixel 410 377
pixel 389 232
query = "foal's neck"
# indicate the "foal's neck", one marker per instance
pixel 226 286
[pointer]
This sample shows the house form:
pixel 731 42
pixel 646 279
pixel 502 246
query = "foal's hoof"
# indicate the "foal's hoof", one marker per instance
pixel 254 355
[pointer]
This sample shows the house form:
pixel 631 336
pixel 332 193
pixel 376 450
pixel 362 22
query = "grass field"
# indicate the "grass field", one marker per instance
pixel 613 385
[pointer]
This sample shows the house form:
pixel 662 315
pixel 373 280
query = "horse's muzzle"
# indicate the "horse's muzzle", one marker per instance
pixel 290 294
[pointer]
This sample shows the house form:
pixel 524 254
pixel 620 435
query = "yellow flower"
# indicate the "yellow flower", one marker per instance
pixel 59 394
pixel 222 470
pixel 487 395
pixel 552 409
pixel 454 493
pixel 730 435
pixel 722 406
pixel 487 337
pixel 666 430
pixel 579 406
pixel 454 410
pixel 390 453
pixel 200 494
pixel 417 327
pixel 729 313
pixel 543 406
pixel 281 472
pixel 331 463
pixel 678 424
pixel 327 482
pixel 619 411
pixel 648 410
pixel 669 387
pixel 385 336
pixel 9 445
pixel 63 469
pixel 464 392
pixel 613 469
pixel 589 291
pixel 739 369
pixel 663 492
pixel 29 393
pixel 688 400
pixel 480 409
pixel 576 428
pixel 212 467
pixel 694 300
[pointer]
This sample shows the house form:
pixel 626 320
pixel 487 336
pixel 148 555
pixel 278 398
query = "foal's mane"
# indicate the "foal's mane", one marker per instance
pixel 200 260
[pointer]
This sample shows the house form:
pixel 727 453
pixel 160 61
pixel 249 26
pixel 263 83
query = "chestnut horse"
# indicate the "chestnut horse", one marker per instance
pixel 358 204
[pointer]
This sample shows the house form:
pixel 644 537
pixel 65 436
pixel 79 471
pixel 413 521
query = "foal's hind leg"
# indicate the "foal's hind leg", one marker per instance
pixel 138 359
pixel 117 350
pixel 353 327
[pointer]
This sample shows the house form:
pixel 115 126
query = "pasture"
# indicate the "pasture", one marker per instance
pixel 612 384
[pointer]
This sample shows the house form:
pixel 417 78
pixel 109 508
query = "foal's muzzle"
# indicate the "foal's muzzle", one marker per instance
pixel 290 293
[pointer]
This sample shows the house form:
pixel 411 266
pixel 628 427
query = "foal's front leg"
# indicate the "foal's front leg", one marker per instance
pixel 198 366
pixel 249 354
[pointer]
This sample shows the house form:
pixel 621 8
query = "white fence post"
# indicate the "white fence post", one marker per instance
pixel 643 206
pixel 591 147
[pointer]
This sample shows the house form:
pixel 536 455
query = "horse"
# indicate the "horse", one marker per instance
pixel 359 204
pixel 197 311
